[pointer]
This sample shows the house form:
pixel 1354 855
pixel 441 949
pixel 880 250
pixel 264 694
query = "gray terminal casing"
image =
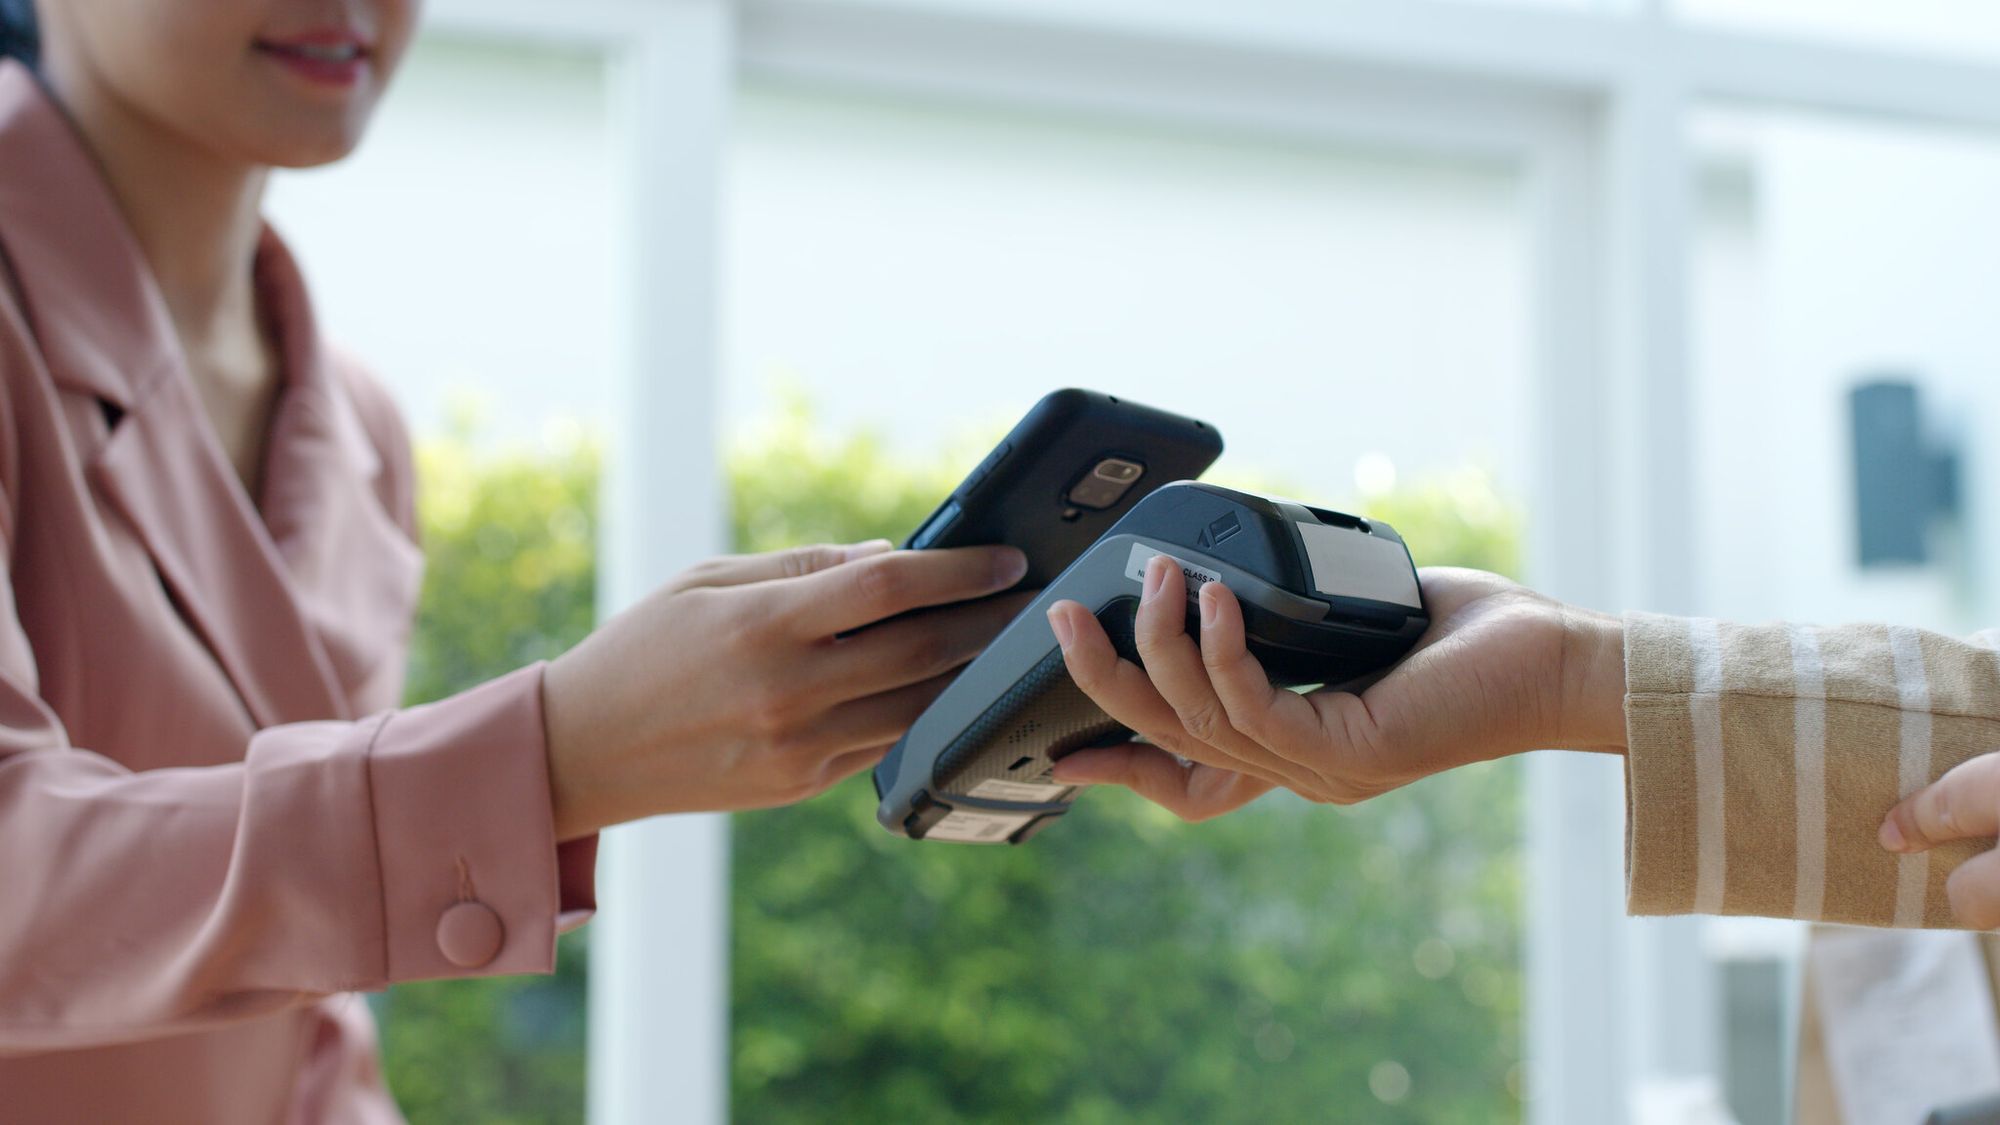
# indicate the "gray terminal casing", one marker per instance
pixel 1328 598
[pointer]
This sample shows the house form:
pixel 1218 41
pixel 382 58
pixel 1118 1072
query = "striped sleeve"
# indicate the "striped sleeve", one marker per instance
pixel 1762 759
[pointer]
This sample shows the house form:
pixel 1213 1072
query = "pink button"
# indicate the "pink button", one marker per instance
pixel 469 934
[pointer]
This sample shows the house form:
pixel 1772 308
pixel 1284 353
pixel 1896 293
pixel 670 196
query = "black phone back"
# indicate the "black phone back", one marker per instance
pixel 1048 487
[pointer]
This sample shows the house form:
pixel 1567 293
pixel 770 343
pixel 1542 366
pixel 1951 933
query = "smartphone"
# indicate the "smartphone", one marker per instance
pixel 1066 472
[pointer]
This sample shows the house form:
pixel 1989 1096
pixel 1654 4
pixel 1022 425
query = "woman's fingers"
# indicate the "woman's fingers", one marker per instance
pixel 1974 890
pixel 871 589
pixel 797 562
pixel 1175 664
pixel 1169 655
pixel 1963 804
pixel 910 649
pixel 1271 716
pixel 1122 689
pixel 1189 791
pixel 876 720
pixel 1118 686
pixel 851 763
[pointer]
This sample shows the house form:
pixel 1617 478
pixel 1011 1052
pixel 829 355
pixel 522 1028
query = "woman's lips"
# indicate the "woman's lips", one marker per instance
pixel 335 59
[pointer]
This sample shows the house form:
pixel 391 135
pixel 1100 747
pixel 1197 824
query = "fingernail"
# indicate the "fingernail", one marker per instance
pixel 1891 837
pixel 1010 567
pixel 1207 607
pixel 1059 622
pixel 1156 576
pixel 863 550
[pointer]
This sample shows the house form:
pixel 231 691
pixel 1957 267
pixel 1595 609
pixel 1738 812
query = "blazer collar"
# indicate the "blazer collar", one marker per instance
pixel 90 300
pixel 355 571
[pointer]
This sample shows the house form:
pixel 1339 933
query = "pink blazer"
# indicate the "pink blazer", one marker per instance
pixel 213 825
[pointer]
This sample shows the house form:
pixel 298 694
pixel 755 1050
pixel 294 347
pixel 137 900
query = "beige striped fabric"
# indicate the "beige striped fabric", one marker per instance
pixel 1762 759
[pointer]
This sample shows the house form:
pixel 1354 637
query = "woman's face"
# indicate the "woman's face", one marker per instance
pixel 288 83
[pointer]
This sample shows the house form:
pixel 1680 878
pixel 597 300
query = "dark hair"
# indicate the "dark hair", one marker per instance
pixel 20 37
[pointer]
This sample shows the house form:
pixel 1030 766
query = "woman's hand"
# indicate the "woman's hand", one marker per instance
pixel 734 687
pixel 1964 804
pixel 1501 670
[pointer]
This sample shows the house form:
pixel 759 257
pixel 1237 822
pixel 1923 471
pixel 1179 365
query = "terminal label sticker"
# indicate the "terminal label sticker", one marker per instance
pixel 994 789
pixel 1197 576
pixel 977 826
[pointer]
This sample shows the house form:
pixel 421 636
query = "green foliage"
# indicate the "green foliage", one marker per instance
pixel 510 554
pixel 509 539
pixel 1453 520
pixel 1279 964
pixel 792 484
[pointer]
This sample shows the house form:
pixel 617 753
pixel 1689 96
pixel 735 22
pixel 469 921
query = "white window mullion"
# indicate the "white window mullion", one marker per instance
pixel 1671 1010
pixel 1575 982
pixel 659 981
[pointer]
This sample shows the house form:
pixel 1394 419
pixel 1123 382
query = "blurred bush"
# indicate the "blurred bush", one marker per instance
pixel 1289 963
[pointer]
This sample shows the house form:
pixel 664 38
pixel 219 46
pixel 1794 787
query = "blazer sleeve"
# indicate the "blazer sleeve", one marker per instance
pixel 334 856
pixel 1762 759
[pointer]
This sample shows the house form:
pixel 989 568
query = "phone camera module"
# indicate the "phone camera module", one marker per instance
pixel 1106 483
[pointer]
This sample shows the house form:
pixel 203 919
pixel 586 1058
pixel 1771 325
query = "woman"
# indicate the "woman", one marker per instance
pixel 213 826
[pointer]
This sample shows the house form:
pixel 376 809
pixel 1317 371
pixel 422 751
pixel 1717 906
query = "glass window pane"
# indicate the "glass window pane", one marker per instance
pixel 925 270
pixel 1356 324
pixel 1862 251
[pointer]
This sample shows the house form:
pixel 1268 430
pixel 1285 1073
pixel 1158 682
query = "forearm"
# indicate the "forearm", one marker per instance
pixel 1762 760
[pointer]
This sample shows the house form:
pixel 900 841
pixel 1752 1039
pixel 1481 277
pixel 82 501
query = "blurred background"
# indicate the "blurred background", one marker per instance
pixel 1578 291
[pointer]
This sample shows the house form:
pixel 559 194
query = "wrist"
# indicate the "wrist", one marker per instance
pixel 1593 681
pixel 572 795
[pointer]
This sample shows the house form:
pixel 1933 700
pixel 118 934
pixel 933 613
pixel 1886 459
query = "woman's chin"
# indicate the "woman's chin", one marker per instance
pixel 281 122
pixel 309 157
pixel 303 147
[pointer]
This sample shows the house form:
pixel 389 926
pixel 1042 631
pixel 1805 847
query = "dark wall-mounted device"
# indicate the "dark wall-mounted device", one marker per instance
pixel 1905 477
